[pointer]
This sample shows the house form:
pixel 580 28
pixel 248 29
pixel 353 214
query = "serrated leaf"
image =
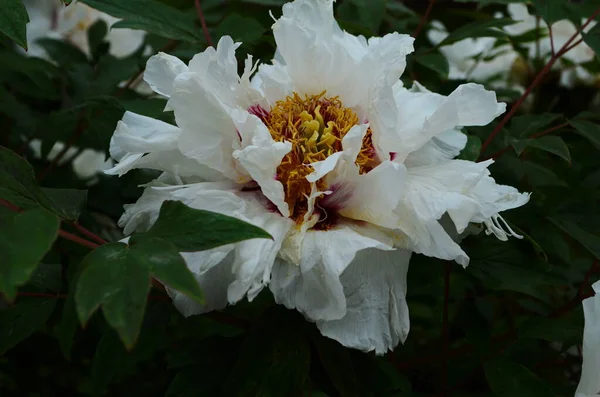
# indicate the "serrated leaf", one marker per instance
pixel 191 230
pixel 562 329
pixel 23 319
pixel 550 144
pixel 151 16
pixel 509 379
pixel 588 129
pixel 571 226
pixel 434 61
pixel 241 29
pixel 24 240
pixel 119 281
pixel 13 20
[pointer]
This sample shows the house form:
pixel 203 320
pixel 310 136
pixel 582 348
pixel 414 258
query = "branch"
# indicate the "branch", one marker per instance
pixel 424 18
pixel 540 76
pixel 535 136
pixel 203 23
pixel 581 294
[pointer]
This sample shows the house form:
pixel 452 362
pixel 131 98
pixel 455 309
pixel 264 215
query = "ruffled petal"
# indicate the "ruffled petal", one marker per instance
pixel 589 384
pixel 376 316
pixel 313 286
pixel 408 120
pixel 161 71
pixel 440 148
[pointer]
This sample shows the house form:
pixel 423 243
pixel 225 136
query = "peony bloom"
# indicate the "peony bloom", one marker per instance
pixel 589 385
pixel 51 19
pixel 86 164
pixel 346 168
pixel 561 33
pixel 475 59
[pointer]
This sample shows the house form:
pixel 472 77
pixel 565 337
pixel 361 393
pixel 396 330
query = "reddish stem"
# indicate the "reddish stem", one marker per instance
pixel 10 206
pixel 424 18
pixel 77 239
pixel 540 76
pixel 540 134
pixel 203 23
pixel 551 40
pixel 89 234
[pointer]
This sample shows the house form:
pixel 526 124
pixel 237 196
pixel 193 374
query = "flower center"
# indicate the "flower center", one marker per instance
pixel 315 125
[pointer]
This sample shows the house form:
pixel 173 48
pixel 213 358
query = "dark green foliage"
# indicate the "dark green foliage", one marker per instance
pixel 514 314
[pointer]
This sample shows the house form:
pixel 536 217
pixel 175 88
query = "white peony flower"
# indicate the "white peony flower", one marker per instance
pixel 86 164
pixel 561 33
pixel 475 59
pixel 51 19
pixel 589 385
pixel 348 170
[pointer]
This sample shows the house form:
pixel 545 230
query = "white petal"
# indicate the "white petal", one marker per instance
pixel 161 71
pixel 372 197
pixel 274 82
pixel 404 124
pixel 208 132
pixel 440 148
pixel 376 314
pixel 90 162
pixel 213 284
pixel 261 156
pixel 589 384
pixel 313 286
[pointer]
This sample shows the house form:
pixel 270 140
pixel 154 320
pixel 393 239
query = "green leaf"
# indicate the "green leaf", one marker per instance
pixel 592 39
pixel 571 226
pixel 274 359
pixel 13 20
pixel 489 28
pixel 47 276
pixel 434 61
pixel 587 129
pixel 151 16
pixel 63 52
pixel 540 176
pixel 23 319
pixel 368 13
pixel 563 329
pixel 550 144
pixel 337 362
pixel 197 230
pixel 68 203
pixel 510 379
pixel 550 10
pixel 116 277
pixel 24 240
pixel 118 280
pixel 529 124
pixel 241 29
pixel 168 266
pixel 472 149
pixel 18 186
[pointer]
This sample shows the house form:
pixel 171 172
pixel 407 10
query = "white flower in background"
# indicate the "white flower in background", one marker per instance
pixel 561 33
pixel 51 19
pixel 348 170
pixel 86 164
pixel 475 58
pixel 589 385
